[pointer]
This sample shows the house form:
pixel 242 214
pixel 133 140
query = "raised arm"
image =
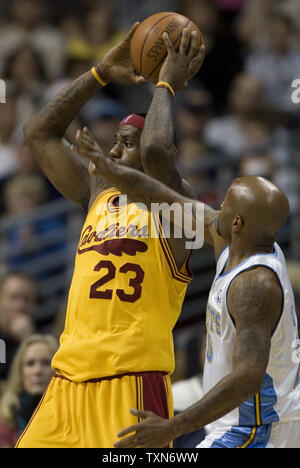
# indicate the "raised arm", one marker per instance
pixel 44 132
pixel 157 143
pixel 158 151
pixel 255 303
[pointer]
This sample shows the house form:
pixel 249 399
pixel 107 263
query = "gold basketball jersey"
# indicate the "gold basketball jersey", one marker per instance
pixel 125 298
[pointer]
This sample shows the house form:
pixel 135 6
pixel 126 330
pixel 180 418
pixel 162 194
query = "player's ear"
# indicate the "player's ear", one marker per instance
pixel 237 224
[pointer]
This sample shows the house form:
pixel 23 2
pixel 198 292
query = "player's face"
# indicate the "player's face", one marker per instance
pixel 226 218
pixel 127 148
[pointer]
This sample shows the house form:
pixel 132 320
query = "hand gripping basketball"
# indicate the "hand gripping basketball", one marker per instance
pixel 180 67
pixel 117 64
pixel 148 49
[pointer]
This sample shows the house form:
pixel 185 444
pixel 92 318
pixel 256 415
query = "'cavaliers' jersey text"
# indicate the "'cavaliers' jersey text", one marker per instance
pixel 278 400
pixel 125 298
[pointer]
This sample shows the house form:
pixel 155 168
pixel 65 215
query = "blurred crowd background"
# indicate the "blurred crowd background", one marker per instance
pixel 236 118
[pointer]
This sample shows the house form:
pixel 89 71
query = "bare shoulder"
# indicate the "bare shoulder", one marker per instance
pixel 256 293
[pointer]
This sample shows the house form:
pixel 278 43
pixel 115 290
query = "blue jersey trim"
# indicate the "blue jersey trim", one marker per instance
pixel 268 400
pixel 222 253
pixel 274 254
pixel 260 411
pixel 244 437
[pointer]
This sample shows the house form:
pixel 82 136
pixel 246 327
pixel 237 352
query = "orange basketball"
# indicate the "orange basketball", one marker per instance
pixel 148 49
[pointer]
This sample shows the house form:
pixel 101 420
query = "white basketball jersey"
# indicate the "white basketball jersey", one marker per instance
pixel 278 400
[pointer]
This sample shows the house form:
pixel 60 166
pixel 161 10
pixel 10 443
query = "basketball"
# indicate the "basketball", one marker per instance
pixel 148 49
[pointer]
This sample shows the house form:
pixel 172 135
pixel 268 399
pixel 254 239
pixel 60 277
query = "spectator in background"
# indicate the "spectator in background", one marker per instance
pixel 28 379
pixel 23 193
pixel 189 391
pixel 196 160
pixel 32 236
pixel 294 275
pixel 99 33
pixel 265 165
pixel 199 165
pixel 24 67
pixel 257 165
pixel 251 24
pixel 27 24
pixel 193 112
pixel 223 59
pixel 28 166
pixel 248 124
pixel 18 298
pixel 277 62
pixel 130 11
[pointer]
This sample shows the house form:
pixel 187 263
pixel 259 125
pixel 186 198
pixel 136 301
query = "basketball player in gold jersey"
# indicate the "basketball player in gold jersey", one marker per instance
pixel 251 374
pixel 116 351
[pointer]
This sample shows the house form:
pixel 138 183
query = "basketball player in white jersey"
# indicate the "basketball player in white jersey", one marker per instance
pixel 251 376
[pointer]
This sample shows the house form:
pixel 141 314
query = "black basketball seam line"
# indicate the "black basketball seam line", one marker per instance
pixel 174 43
pixel 154 69
pixel 149 32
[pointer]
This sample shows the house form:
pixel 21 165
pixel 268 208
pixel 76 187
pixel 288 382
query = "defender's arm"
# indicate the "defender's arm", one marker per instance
pixel 255 303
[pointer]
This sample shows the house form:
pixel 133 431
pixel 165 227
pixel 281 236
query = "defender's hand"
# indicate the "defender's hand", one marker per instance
pixel 87 147
pixel 117 64
pixel 153 432
pixel 180 67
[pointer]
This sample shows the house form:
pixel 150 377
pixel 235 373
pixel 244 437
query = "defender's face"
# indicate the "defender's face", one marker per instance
pixel 226 217
pixel 127 148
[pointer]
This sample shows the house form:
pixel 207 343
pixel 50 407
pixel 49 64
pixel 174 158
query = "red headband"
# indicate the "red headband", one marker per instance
pixel 134 120
pixel 139 122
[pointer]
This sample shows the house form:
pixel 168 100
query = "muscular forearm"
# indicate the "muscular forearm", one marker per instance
pixel 55 117
pixel 159 127
pixel 140 187
pixel 227 395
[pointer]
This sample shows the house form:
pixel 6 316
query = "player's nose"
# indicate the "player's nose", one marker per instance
pixel 116 152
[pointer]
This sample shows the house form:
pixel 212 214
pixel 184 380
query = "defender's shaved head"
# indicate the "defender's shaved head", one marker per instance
pixel 254 208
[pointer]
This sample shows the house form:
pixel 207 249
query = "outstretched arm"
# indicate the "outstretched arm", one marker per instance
pixel 143 188
pixel 255 303
pixel 44 133
pixel 158 152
